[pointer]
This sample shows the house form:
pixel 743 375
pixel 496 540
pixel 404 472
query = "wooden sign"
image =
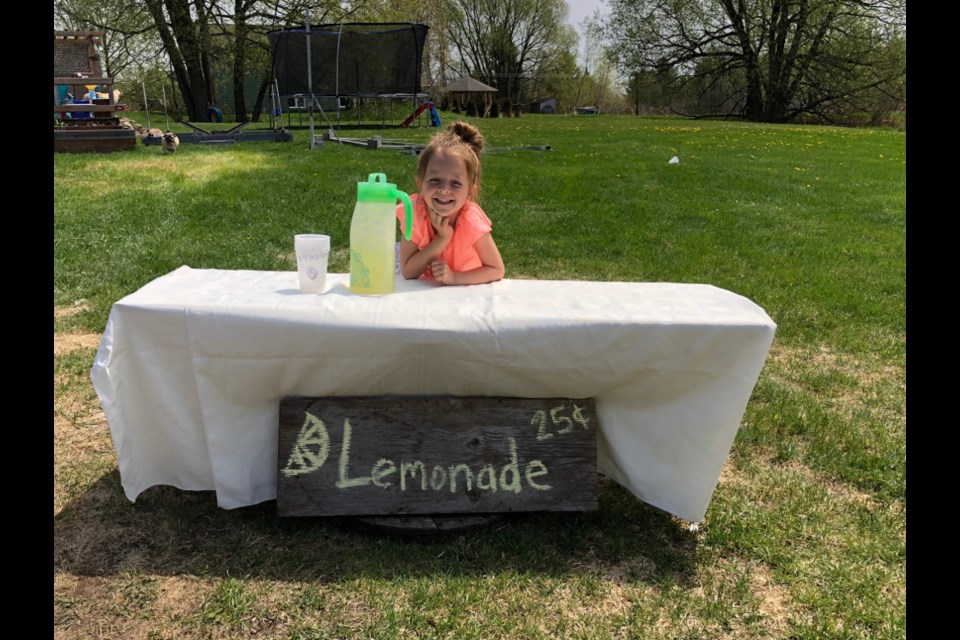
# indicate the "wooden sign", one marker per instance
pixel 434 455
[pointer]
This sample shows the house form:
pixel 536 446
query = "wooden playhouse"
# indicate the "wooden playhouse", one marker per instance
pixel 85 107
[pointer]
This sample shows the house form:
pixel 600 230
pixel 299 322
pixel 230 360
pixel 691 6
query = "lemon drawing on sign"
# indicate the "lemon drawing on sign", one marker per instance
pixel 311 449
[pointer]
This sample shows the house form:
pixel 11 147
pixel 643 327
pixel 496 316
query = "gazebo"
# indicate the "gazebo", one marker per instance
pixel 460 91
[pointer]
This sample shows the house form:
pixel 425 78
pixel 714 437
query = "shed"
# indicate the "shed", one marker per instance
pixel 543 105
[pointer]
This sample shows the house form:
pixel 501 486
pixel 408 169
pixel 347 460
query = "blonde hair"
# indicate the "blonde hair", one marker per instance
pixel 461 139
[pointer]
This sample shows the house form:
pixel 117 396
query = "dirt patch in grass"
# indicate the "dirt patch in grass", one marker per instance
pixel 824 359
pixel 729 474
pixel 75 401
pixel 64 343
pixel 863 372
pixel 762 609
pixel 850 384
pixel 772 473
pixel 73 443
pixel 129 606
pixel 775 605
pixel 834 488
pixel 75 604
pixel 66 312
pixel 607 600
pixel 177 597
pixel 83 450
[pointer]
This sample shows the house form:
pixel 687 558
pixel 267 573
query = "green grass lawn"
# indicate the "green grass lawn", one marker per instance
pixel 806 533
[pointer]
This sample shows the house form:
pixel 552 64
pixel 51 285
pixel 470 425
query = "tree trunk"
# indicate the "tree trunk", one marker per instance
pixel 183 48
pixel 258 105
pixel 754 95
pixel 205 46
pixel 239 59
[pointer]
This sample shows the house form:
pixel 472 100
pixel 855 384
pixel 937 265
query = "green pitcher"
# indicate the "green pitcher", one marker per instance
pixel 373 235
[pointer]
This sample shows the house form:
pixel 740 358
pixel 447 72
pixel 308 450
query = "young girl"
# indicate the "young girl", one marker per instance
pixel 450 239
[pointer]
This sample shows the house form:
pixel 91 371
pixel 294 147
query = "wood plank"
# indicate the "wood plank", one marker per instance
pixel 93 139
pixel 105 121
pixel 85 108
pixel 435 455
pixel 93 146
pixel 94 131
pixel 74 80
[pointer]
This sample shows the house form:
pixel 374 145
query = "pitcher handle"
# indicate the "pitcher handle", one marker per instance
pixel 408 206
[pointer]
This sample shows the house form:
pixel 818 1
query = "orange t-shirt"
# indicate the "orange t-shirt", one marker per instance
pixel 460 254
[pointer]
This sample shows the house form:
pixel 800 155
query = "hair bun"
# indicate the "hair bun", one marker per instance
pixel 469 134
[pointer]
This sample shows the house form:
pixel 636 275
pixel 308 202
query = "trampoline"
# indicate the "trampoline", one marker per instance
pixel 348 61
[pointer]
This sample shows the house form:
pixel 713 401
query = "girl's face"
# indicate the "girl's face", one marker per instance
pixel 446 184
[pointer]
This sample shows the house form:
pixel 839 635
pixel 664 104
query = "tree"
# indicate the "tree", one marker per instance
pixel 763 60
pixel 129 36
pixel 559 80
pixel 502 42
pixel 597 80
pixel 198 37
pixel 184 29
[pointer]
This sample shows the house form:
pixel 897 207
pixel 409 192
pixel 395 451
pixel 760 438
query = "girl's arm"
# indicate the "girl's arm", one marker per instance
pixel 414 260
pixel 491 271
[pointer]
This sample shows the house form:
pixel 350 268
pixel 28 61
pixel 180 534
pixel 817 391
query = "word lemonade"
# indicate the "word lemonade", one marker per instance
pixel 441 467
pixel 313 448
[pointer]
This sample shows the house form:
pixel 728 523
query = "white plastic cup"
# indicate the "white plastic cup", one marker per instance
pixel 312 251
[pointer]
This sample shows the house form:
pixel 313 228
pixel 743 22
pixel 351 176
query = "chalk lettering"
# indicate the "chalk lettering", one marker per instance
pixel 491 475
pixel 558 419
pixel 540 417
pixel 343 481
pixel 467 474
pixel 412 467
pixel 438 478
pixel 579 417
pixel 312 448
pixel 304 458
pixel 381 470
pixel 541 470
pixel 513 468
pixel 369 456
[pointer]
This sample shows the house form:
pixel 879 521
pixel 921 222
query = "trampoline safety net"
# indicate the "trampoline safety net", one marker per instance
pixel 350 59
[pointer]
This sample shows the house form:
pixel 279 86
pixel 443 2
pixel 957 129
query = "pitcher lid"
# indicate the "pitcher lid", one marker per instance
pixel 376 188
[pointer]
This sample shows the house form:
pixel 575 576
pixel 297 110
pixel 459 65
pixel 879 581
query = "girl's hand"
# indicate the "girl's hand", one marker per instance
pixel 443 273
pixel 442 225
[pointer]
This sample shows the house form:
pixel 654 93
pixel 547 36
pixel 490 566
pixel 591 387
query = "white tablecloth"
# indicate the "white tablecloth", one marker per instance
pixel 191 369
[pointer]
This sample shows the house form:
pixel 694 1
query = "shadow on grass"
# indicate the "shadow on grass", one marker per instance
pixel 173 532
